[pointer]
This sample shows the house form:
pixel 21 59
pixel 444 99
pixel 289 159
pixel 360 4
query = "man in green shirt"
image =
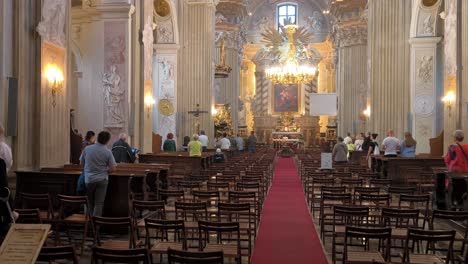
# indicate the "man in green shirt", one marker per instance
pixel 195 147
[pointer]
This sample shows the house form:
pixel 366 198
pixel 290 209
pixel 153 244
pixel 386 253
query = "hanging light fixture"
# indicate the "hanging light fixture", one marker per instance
pixel 291 72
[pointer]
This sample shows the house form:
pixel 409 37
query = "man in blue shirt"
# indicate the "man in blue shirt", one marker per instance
pixel 98 163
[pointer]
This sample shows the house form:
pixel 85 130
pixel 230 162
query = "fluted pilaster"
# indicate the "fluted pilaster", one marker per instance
pixel 196 65
pixel 351 88
pixel 389 65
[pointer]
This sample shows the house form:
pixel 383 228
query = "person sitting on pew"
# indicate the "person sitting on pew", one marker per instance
pixel 219 156
pixel 90 138
pixel 408 146
pixel 122 151
pixel 195 147
pixel 169 144
pixel 98 162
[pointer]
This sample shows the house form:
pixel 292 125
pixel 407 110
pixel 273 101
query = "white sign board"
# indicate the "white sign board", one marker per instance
pixel 326 161
pixel 323 104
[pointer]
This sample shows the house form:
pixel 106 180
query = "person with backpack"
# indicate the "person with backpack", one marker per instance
pixel 456 160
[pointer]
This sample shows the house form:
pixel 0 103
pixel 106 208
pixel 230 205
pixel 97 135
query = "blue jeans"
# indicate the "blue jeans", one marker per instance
pixel 96 192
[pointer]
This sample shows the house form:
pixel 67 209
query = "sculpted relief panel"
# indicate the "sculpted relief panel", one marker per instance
pixel 114 79
pixel 52 25
pixel 164 31
pixel 148 40
pixel 166 120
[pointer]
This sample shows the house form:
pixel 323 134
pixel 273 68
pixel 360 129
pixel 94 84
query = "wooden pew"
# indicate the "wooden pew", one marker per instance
pixel 142 180
pixel 195 164
pixel 401 169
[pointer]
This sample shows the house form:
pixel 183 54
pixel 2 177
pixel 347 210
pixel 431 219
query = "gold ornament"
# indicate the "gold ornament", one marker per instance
pixel 162 8
pixel 165 107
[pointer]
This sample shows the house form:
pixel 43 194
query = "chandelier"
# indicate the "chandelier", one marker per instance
pixel 291 72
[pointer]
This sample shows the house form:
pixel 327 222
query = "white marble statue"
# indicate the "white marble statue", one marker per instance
pixel 148 47
pixel 263 24
pixel 315 22
pixel 113 97
pixel 52 25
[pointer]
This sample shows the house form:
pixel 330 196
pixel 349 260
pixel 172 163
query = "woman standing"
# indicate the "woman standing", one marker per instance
pixel 408 146
pixel 169 144
pixel 195 147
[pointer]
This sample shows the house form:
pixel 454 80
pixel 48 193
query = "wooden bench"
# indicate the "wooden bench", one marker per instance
pixel 397 170
pixel 194 164
pixel 145 180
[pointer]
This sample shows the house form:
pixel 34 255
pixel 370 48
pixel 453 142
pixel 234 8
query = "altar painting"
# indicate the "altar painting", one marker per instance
pixel 286 98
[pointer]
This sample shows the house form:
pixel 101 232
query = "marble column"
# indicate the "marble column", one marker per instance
pixel 247 91
pixel 389 65
pixel 27 69
pixel 196 65
pixel 6 56
pixel 229 88
pixel 351 85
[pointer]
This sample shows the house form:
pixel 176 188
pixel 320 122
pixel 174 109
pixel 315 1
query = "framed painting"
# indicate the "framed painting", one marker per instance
pixel 286 98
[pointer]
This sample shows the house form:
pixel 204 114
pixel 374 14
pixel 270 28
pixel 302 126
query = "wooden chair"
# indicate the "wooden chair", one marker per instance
pixel 145 209
pixel 71 215
pixel 432 237
pixel 417 201
pixel 28 216
pixel 212 198
pixel 375 202
pixel 459 216
pixel 114 223
pixel 41 201
pixel 226 238
pixel 313 191
pixel 50 254
pixel 328 201
pixel 246 197
pixel 186 257
pixel 366 190
pixel 105 255
pixel 163 231
pixel 400 220
pixel 380 182
pixel 366 234
pixel 346 216
pixel 242 214
pixel 191 213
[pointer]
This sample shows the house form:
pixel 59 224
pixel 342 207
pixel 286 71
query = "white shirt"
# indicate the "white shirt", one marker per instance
pixel 204 140
pixel 391 144
pixel 347 140
pixel 225 143
pixel 5 154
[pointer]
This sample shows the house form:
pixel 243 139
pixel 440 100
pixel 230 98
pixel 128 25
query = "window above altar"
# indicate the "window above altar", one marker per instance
pixel 286 13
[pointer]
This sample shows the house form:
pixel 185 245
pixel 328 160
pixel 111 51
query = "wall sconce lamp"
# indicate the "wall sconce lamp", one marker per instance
pixel 367 112
pixel 54 78
pixel 149 103
pixel 214 111
pixel 448 100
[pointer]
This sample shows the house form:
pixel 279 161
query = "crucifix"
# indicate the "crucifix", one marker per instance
pixel 196 113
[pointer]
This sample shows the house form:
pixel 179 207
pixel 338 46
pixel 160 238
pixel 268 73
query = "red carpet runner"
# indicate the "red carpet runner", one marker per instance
pixel 287 234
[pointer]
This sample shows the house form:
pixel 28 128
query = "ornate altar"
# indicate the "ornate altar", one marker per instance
pixel 288 142
pixel 222 120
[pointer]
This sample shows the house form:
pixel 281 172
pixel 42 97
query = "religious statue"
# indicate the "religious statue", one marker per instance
pixel 52 26
pixel 263 24
pixel 315 22
pixel 113 96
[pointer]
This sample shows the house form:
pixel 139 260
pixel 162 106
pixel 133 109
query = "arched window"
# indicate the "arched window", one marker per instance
pixel 286 14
